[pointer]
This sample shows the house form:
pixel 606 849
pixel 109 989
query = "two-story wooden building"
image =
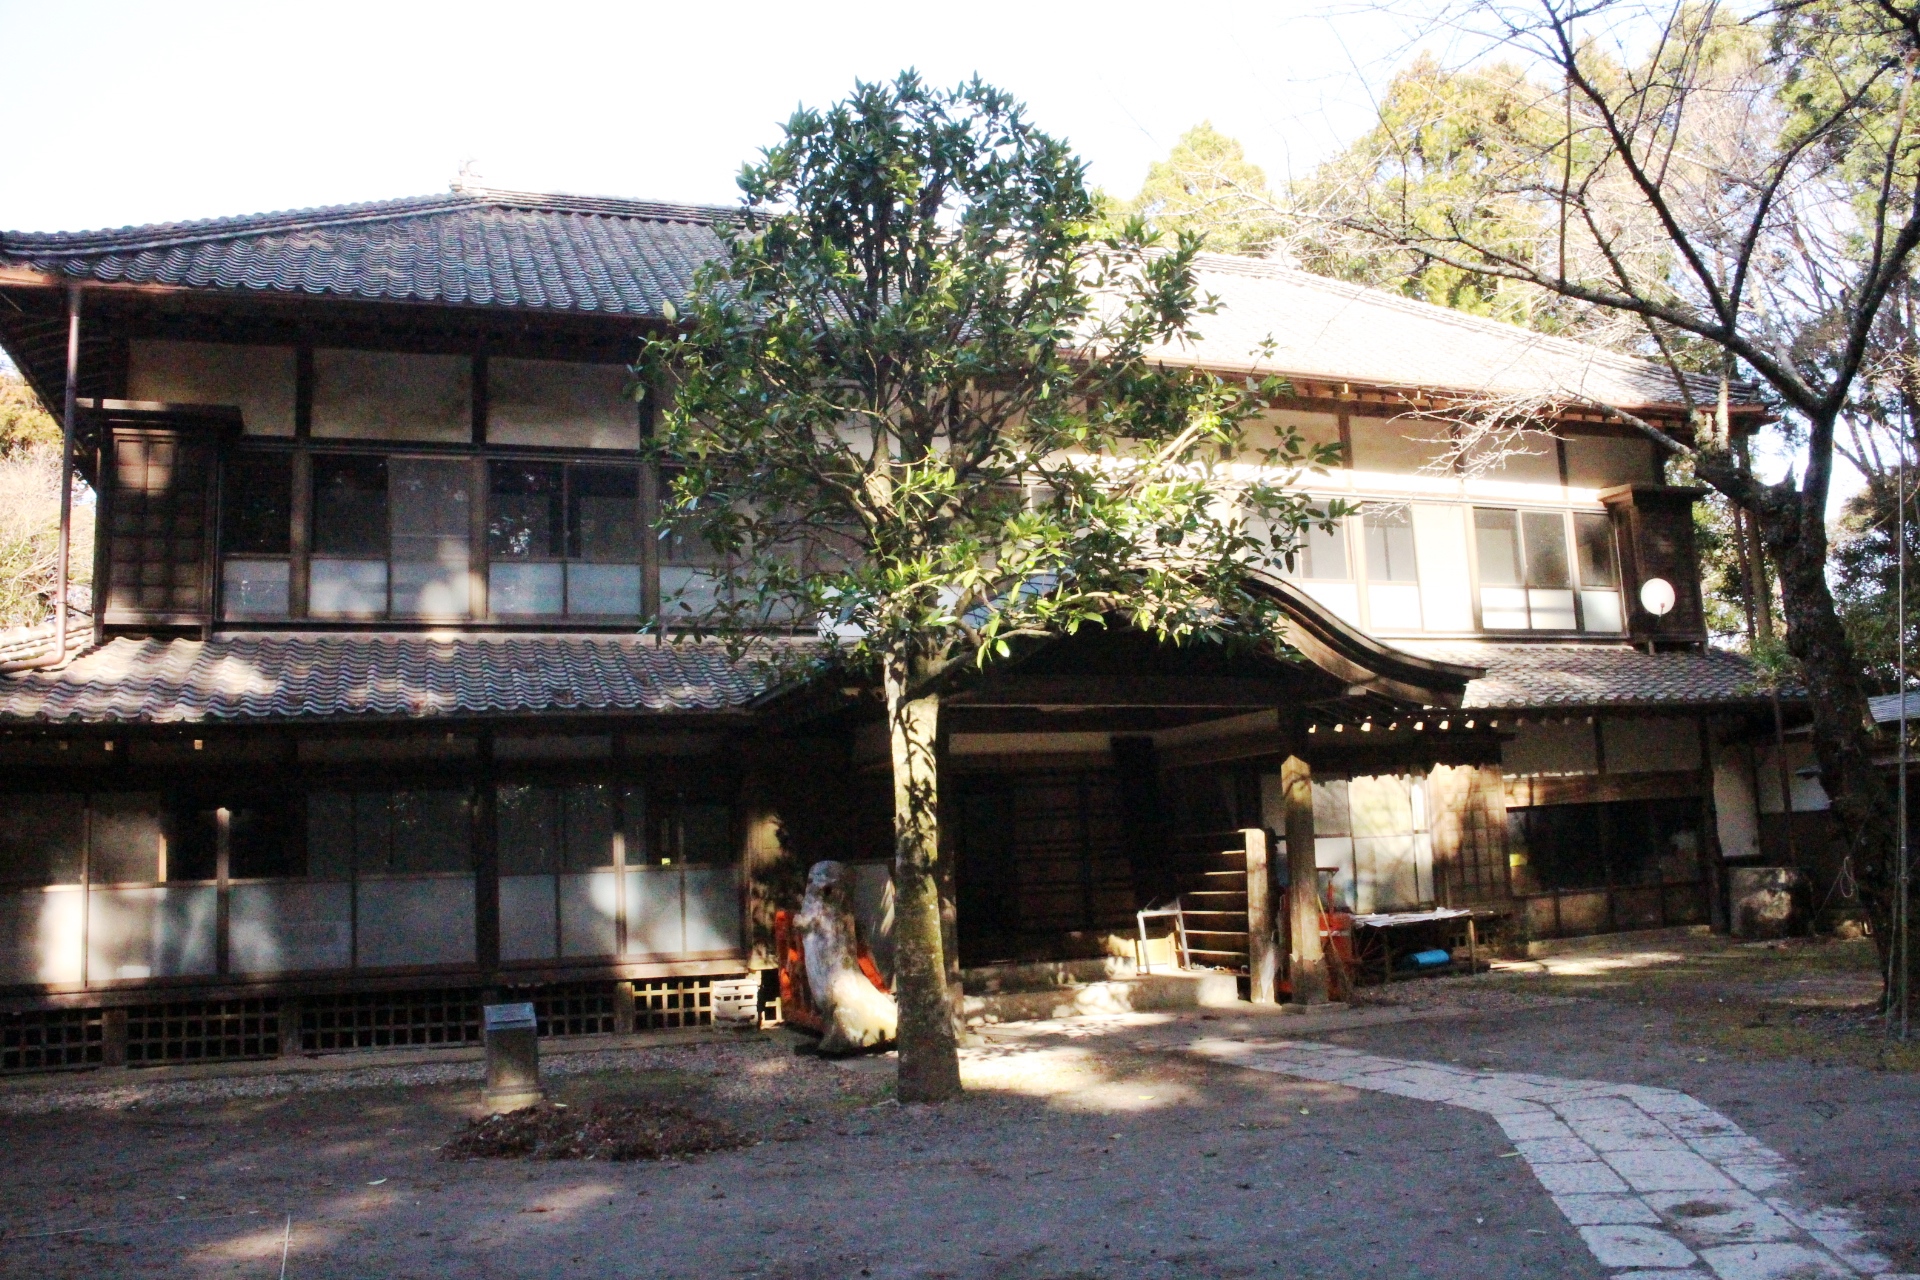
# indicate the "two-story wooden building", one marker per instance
pixel 383 706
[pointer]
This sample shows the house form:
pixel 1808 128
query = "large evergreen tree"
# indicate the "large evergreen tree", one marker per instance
pixel 918 400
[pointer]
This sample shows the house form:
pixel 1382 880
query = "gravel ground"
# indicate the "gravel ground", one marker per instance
pixel 1083 1149
pixel 1076 1154
pixel 752 1069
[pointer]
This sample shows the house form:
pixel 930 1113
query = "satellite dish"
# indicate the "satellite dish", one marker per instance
pixel 1656 597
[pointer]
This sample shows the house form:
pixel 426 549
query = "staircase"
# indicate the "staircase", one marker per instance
pixel 1209 872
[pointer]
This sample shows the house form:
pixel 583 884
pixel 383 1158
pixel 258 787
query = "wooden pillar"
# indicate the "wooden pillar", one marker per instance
pixel 484 835
pixel 222 870
pixel 1306 965
pixel 300 541
pixel 1711 854
pixel 1263 951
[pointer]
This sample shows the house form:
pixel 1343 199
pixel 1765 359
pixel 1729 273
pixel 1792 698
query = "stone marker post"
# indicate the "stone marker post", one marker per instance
pixel 513 1056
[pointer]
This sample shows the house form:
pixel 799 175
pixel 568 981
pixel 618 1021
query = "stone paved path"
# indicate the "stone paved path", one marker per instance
pixel 1657 1183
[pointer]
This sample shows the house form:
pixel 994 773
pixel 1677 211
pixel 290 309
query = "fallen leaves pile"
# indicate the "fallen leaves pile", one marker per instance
pixel 603 1131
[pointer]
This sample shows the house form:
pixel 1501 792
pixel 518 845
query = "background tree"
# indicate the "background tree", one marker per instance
pixel 1206 185
pixel 30 507
pixel 1770 148
pixel 1865 569
pixel 918 399
pixel 1443 157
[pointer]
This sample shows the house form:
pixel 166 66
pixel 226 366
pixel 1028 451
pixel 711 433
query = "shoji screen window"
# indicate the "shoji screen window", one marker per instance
pixel 1526 580
pixel 431 527
pixel 348 577
pixel 389 537
pixel 1325 568
pixel 563 539
pixel 256 527
pixel 1600 607
pixel 559 877
pixel 690 568
pixel 1393 586
pixel 603 541
pixel 526 573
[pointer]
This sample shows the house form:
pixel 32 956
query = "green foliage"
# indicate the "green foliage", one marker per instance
pixel 30 533
pixel 918 398
pixel 1207 186
pixel 23 423
pixel 1866 579
pixel 1460 159
pixel 1842 77
pixel 1722 573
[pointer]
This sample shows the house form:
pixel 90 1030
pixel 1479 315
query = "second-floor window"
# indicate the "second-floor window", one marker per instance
pixel 1393 582
pixel 1528 579
pixel 1365 560
pixel 256 535
pixel 563 539
pixel 390 537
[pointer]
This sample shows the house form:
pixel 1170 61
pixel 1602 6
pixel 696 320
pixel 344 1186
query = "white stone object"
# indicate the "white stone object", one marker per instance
pixel 858 1014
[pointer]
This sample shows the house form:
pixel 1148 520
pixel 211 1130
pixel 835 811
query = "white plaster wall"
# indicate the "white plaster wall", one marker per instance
pixel 1262 431
pixel 1342 599
pixel 1533 457
pixel 1550 747
pixel 1808 795
pixel 259 380
pixel 1440 542
pixel 1395 446
pixel 1736 808
pixel 557 403
pixel 392 395
pixel 1600 462
pixel 1635 745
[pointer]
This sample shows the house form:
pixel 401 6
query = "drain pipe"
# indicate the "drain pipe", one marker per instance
pixel 64 560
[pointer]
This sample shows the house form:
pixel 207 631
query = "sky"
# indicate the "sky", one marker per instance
pixel 126 113
pixel 149 112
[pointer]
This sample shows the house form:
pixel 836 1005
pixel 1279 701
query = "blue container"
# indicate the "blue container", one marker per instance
pixel 1426 959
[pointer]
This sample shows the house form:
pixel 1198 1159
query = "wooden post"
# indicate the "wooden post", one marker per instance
pixel 222 871
pixel 1306 966
pixel 113 1038
pixel 1263 958
pixel 484 835
pixel 289 1026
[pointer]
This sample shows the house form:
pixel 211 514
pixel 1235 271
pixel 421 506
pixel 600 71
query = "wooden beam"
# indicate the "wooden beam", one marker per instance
pixel 1125 691
pixel 28 277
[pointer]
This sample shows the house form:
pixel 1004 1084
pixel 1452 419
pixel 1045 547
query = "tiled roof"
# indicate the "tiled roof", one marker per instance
pixel 584 254
pixel 1330 330
pixel 471 247
pixel 1522 676
pixel 280 676
pixel 1886 707
pixel 34 644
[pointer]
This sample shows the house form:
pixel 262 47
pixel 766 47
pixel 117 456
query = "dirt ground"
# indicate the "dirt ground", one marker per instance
pixel 1081 1150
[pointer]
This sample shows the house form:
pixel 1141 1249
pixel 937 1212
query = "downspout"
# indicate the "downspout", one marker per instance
pixel 63 563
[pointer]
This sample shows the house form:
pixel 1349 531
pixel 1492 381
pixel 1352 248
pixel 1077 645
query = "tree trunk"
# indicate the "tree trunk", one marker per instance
pixel 929 1051
pixel 1843 741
